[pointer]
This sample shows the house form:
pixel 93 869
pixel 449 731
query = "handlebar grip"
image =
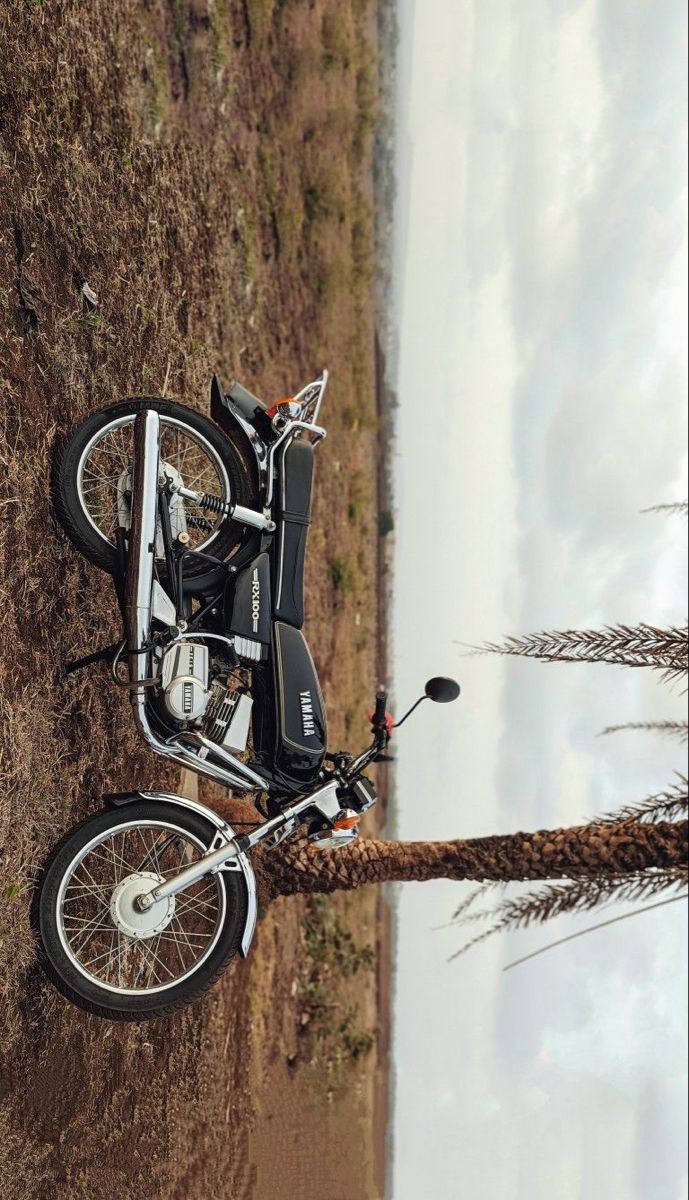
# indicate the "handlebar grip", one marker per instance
pixel 380 709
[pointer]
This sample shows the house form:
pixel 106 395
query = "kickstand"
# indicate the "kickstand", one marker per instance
pixel 107 655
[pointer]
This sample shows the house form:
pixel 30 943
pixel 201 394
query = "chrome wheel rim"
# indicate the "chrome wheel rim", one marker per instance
pixel 119 949
pixel 108 456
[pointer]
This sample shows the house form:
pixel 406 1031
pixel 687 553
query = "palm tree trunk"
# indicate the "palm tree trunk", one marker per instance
pixel 586 850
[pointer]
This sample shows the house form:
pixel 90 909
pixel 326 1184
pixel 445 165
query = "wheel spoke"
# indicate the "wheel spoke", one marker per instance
pixel 110 457
pixel 184 936
pixel 99 957
pixel 85 928
pixel 189 907
pixel 152 855
pixel 106 935
pixel 160 963
pixel 84 868
pixel 86 891
pixel 115 860
pixel 186 897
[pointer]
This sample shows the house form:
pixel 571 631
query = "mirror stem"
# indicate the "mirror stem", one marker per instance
pixel 409 713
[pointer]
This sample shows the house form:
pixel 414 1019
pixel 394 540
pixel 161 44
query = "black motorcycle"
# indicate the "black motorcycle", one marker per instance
pixel 203 526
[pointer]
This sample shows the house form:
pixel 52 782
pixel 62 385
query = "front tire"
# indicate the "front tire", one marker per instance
pixel 95 948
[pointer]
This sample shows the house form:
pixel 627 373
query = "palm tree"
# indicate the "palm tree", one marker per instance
pixel 636 852
pixel 680 508
pixel 607 854
pixel 676 729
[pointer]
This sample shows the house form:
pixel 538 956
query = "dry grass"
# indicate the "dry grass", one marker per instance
pixel 204 166
pixel 18 1156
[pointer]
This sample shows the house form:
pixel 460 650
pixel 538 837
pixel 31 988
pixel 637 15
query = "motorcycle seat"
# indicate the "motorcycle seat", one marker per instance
pixel 295 482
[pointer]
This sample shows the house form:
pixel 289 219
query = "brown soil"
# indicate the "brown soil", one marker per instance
pixel 204 165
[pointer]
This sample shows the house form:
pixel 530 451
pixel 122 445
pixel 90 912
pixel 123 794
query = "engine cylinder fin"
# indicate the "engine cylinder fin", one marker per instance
pixel 248 648
pixel 228 717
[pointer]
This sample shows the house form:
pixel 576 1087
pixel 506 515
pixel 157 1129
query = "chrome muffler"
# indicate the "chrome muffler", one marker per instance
pixel 140 559
pixel 201 753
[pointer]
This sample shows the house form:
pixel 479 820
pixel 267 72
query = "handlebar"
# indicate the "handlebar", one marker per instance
pixel 378 717
pixel 381 724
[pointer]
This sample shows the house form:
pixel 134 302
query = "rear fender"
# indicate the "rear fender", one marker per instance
pixel 231 418
pixel 120 799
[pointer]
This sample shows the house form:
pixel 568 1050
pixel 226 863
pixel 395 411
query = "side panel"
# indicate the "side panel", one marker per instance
pixel 249 602
pixel 230 419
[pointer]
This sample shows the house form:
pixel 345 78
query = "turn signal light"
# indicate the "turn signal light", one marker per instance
pixel 286 407
pixel 347 821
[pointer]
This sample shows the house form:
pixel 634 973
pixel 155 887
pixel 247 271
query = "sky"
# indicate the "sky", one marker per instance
pixel 540 291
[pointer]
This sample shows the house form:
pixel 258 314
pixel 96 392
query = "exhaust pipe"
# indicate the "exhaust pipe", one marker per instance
pixel 142 535
pixel 138 602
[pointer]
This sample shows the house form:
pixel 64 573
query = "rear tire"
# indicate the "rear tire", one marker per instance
pixel 57 958
pixel 78 525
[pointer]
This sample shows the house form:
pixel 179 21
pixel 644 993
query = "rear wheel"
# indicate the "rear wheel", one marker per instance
pixel 91 481
pixel 105 955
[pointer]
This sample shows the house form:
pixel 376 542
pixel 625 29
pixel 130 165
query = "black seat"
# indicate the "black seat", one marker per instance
pixel 295 481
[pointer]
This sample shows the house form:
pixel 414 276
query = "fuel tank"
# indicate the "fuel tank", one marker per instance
pixel 300 731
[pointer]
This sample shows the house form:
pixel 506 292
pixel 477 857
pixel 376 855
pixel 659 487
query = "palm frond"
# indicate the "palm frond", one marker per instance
pixel 678 729
pixel 679 509
pixel 663 806
pixel 636 912
pixel 571 896
pixel 469 900
pixel 662 648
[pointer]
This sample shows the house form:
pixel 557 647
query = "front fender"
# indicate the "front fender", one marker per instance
pixel 119 799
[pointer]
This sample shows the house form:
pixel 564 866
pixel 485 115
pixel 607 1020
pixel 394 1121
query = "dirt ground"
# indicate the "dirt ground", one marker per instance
pixel 204 166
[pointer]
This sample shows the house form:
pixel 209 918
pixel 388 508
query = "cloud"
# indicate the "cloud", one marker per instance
pixel 660 1145
pixel 542 377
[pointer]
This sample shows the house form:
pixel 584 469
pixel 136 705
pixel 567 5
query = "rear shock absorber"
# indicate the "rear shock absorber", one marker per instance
pixel 245 516
pixel 214 504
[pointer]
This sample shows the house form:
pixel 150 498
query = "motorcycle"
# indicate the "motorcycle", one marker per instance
pixel 202 524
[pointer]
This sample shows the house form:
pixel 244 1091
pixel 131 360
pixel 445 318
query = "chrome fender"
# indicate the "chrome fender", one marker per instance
pixel 226 413
pixel 225 833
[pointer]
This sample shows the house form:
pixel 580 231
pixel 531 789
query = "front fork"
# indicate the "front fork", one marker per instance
pixel 324 801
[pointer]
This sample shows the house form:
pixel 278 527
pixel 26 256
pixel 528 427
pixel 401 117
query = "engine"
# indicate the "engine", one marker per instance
pixel 228 716
pixel 184 680
pixel 192 696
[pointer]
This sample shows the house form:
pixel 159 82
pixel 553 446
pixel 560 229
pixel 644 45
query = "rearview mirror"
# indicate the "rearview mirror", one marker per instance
pixel 442 690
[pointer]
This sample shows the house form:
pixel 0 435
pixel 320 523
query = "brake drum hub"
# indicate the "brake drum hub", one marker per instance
pixel 127 917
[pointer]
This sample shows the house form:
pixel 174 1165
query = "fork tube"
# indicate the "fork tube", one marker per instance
pixel 223 855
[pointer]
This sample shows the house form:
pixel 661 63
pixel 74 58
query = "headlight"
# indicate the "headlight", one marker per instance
pixel 332 839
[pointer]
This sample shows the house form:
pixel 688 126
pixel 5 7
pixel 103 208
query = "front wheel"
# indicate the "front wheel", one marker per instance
pixel 104 954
